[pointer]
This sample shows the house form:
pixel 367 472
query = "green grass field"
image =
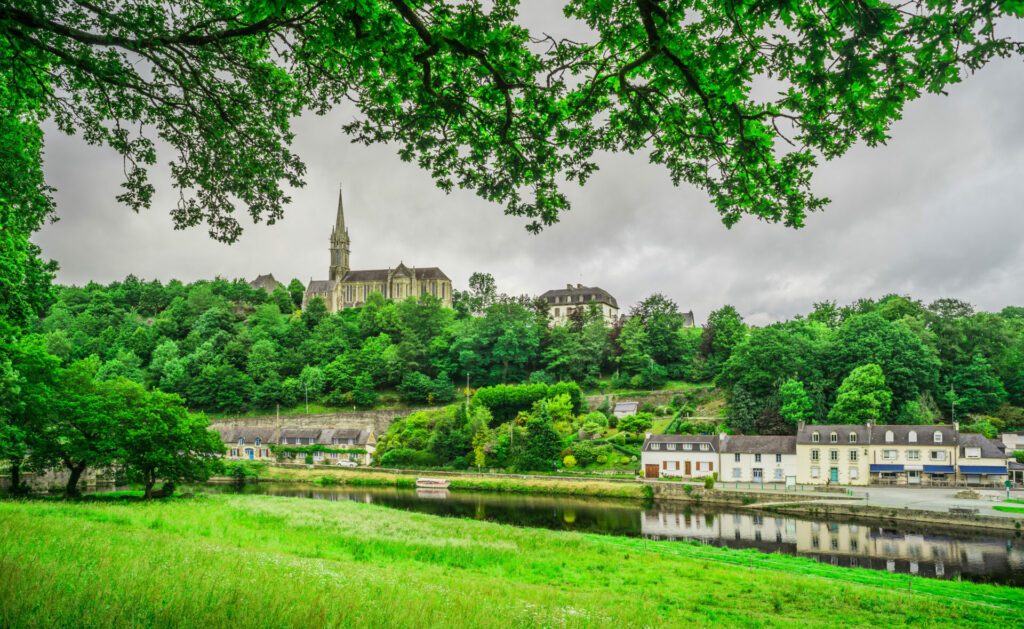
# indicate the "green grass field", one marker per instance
pixel 243 560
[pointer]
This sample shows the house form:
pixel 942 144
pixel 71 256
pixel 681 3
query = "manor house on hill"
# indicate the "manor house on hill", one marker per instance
pixel 347 288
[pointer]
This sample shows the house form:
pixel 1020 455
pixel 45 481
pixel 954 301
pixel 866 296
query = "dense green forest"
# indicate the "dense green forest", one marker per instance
pixel 227 347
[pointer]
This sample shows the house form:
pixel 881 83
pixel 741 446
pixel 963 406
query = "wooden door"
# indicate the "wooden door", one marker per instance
pixel 651 471
pixel 687 473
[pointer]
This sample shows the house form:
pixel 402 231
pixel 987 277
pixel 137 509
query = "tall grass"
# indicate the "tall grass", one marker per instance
pixel 243 560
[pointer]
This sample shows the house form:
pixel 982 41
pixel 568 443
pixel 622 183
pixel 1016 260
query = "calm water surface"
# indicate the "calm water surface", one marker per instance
pixel 977 555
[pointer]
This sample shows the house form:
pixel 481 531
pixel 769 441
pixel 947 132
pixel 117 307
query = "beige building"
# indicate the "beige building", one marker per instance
pixel 832 454
pixel 913 455
pixel 347 288
pixel 326 446
pixel 562 302
pixel 764 459
pixel 683 456
pixel 982 461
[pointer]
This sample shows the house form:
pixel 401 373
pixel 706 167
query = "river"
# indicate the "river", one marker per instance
pixel 972 554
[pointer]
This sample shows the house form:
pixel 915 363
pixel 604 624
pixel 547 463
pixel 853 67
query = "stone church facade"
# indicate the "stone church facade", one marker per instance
pixel 347 288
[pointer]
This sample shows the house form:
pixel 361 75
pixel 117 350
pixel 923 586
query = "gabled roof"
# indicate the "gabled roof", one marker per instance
pixel 247 435
pixel 382 275
pixel 266 282
pixel 301 433
pixel 901 434
pixel 768 444
pixel 320 286
pixel 626 406
pixel 359 436
pixel 804 433
pixel 989 449
pixel 709 439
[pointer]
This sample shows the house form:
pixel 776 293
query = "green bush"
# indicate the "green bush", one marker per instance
pixel 603 458
pixel 596 417
pixel 585 453
pixel 569 461
pixel 636 423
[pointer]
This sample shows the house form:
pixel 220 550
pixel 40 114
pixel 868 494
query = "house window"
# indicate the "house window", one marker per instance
pixel 912 436
pixel 833 438
pixel 833 455
pixel 705 447
pixel 815 472
pixel 938 437
pixel 778 458
pixel 671 446
pixel 815 455
pixel 655 446
pixel 736 472
pixel 815 437
pixel 687 446
pixel 938 455
pixel 888 454
pixel 778 473
pixel 234 452
pixel 757 458
pixel 853 437
pixel 889 437
pixel 913 455
pixel 241 441
pixel 853 454
pixel 557 312
pixel 334 455
pixel 972 453
pixel 854 473
pixel 737 457
pixel 258 441
pixel 853 547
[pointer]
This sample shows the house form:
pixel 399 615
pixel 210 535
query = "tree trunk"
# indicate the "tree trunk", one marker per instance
pixel 71 490
pixel 150 481
pixel 16 489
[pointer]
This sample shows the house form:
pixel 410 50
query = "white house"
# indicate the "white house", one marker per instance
pixel 685 456
pixel 768 459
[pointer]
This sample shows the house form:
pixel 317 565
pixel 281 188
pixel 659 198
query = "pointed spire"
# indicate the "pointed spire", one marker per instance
pixel 339 225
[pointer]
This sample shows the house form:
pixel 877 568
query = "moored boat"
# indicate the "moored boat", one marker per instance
pixel 432 483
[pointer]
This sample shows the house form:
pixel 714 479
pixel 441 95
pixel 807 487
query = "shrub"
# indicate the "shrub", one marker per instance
pixel 309 459
pixel 569 461
pixel 603 458
pixel 584 453
pixel 709 482
pixel 595 417
pixel 407 457
pixel 636 423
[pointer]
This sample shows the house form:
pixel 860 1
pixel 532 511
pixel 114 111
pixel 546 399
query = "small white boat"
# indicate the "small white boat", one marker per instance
pixel 432 483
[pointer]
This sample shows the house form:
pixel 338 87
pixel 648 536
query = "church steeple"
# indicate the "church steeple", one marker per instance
pixel 339 244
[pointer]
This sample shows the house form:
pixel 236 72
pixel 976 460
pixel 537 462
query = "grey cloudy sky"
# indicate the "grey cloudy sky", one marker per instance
pixel 937 212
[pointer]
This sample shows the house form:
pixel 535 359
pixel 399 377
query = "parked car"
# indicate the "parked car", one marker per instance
pixel 348 464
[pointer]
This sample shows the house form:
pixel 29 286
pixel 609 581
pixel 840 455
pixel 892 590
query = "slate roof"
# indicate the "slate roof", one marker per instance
pixel 901 434
pixel 769 444
pixel 247 435
pixel 626 407
pixel 803 434
pixel 266 282
pixel 381 275
pixel 359 436
pixel 320 286
pixel 989 449
pixel 301 433
pixel 710 439
pixel 590 294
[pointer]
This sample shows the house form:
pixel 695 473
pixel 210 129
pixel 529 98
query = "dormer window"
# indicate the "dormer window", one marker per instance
pixel 815 437
pixel 671 446
pixel 889 436
pixel 833 438
pixel 853 437
pixel 687 446
pixel 258 441
pixel 912 436
pixel 705 446
pixel 241 441
pixel 655 446
pixel 938 437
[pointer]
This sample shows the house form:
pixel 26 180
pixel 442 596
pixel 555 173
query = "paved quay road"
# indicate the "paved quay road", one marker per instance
pixel 940 499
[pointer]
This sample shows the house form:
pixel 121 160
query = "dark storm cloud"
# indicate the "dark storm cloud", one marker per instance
pixel 935 213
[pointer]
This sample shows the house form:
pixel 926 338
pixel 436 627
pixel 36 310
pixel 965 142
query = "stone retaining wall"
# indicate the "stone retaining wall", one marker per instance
pixel 377 420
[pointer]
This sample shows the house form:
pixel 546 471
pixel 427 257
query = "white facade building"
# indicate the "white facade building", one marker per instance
pixel 683 456
pixel 757 459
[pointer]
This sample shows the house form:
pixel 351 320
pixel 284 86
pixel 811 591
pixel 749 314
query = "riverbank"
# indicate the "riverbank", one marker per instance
pixel 180 562
pixel 516 484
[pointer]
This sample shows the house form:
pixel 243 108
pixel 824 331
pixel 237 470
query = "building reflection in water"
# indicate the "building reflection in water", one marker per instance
pixel 934 554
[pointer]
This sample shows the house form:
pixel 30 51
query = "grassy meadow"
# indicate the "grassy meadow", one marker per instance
pixel 245 560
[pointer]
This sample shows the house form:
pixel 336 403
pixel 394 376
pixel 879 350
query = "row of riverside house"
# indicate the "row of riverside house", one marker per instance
pixel 839 454
pixel 330 446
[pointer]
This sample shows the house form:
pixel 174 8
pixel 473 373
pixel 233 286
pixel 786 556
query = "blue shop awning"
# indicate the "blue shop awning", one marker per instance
pixel 885 467
pixel 982 469
pixel 938 469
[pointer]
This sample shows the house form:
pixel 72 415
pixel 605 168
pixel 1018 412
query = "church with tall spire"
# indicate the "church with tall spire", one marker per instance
pixel 347 288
